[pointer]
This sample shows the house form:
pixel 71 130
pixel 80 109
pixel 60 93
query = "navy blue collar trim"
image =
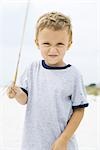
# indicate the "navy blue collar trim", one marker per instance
pixel 50 67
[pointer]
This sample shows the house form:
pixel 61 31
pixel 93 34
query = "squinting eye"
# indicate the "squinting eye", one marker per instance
pixel 46 44
pixel 60 44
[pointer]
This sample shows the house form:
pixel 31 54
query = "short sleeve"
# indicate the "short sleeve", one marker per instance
pixel 23 80
pixel 79 98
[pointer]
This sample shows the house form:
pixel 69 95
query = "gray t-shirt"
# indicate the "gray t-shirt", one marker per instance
pixel 53 93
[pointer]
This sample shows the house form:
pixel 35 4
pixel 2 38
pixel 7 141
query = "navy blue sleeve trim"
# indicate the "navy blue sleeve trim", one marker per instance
pixel 24 91
pixel 80 106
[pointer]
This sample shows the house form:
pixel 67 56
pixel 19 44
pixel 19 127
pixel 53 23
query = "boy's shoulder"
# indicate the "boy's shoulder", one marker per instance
pixel 76 74
pixel 33 64
pixel 75 70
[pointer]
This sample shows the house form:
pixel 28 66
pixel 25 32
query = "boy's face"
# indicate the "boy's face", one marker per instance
pixel 53 45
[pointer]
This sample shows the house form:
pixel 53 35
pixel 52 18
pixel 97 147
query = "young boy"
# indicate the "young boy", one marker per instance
pixel 53 90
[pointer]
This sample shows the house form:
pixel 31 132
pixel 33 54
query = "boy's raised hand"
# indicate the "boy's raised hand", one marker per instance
pixel 13 91
pixel 16 92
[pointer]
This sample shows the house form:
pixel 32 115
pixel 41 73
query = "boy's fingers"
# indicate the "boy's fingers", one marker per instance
pixel 11 95
pixel 11 92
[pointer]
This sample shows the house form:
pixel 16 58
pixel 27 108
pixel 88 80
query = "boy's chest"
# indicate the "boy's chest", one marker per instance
pixel 55 83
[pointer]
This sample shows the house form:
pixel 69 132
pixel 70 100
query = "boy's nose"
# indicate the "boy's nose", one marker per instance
pixel 53 49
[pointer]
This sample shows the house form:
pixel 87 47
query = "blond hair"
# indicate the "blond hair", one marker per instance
pixel 55 21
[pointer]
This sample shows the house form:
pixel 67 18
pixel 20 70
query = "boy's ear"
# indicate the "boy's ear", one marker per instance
pixel 69 44
pixel 36 42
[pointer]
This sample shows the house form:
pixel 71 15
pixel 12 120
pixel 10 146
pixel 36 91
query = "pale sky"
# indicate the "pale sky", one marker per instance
pixel 84 53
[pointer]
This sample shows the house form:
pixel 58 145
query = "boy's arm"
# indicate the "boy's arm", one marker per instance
pixel 18 94
pixel 21 97
pixel 70 129
pixel 72 124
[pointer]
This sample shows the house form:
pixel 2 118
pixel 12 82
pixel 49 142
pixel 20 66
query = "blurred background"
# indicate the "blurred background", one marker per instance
pixel 84 54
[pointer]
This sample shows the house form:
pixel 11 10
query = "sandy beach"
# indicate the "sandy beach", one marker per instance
pixel 12 120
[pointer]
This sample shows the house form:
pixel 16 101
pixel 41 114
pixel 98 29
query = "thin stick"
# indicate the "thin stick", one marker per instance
pixel 21 44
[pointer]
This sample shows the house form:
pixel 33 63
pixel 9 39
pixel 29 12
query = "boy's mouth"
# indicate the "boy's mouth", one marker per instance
pixel 52 55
